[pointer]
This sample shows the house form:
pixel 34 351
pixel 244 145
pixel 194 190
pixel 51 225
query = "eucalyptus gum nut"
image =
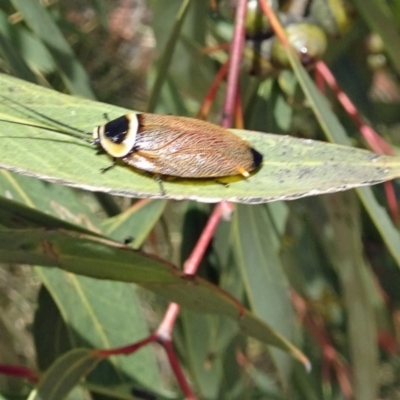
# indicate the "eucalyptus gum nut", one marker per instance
pixel 332 15
pixel 256 22
pixel 375 44
pixel 307 39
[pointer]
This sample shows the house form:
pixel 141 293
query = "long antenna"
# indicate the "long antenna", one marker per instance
pixel 72 131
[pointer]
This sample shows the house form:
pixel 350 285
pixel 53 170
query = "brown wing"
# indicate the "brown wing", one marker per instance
pixel 189 148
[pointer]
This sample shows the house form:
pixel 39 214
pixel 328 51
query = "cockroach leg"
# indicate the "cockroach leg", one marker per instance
pixel 158 179
pixel 222 183
pixel 105 169
pixel 90 140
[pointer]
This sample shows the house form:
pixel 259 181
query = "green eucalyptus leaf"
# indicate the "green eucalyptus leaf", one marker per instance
pixel 39 20
pixel 136 222
pixel 64 374
pixel 93 313
pixel 104 259
pixel 33 120
pixel 257 254
pixel 89 312
pixel 29 47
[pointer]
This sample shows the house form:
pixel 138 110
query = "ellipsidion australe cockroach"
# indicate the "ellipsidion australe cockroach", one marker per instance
pixel 166 145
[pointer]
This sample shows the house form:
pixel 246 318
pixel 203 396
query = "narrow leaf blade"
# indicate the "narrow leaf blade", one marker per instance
pixel 292 168
pixel 64 374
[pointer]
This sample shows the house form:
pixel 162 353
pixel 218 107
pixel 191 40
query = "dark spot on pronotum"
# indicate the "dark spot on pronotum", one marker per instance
pixel 117 129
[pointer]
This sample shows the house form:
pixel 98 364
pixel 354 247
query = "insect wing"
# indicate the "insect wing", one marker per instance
pixel 190 148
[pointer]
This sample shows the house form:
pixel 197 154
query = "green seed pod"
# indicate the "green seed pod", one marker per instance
pixel 256 24
pixel 333 15
pixel 307 39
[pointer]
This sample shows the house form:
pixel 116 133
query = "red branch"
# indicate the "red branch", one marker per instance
pixel 210 96
pixel 274 21
pixel 163 334
pixel 331 360
pixel 19 371
pixel 375 141
pixel 235 57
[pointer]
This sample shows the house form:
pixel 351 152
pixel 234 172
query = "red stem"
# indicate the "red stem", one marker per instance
pixel 192 263
pixel 164 330
pixel 234 64
pixel 166 326
pixel 163 334
pixel 125 350
pixel 174 362
pixel 19 371
pixel 392 201
pixel 331 359
pixel 239 122
pixel 210 96
pixel 274 21
pixel 377 144
pixel 375 141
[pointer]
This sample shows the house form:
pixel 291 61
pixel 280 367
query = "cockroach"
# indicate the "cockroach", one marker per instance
pixel 166 145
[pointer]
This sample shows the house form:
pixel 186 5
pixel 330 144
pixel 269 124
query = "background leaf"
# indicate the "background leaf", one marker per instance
pixel 67 372
pixel 62 249
pixel 41 23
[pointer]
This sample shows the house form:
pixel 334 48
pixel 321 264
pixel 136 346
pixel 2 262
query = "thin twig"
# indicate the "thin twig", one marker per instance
pixel 210 96
pixel 235 57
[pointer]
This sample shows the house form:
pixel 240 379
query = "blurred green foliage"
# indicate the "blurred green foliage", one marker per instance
pixel 322 271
